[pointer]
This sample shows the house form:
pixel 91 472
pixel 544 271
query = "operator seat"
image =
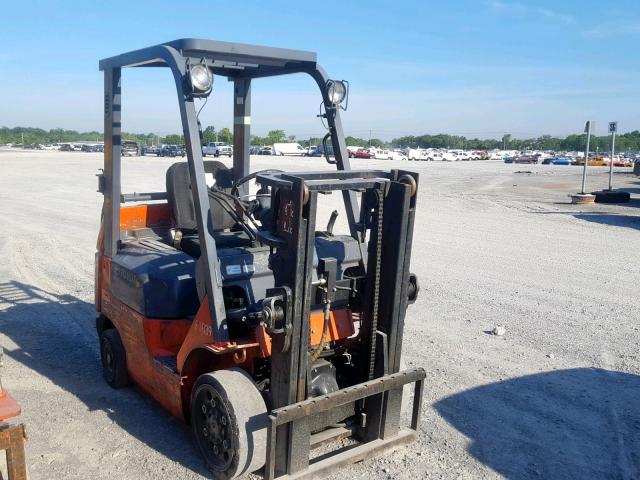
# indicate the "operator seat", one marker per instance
pixel 181 201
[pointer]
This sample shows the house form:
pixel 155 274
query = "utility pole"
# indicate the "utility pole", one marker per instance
pixel 587 129
pixel 613 127
pixel 369 138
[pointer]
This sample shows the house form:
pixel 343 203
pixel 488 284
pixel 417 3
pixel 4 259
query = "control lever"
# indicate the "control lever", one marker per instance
pixel 332 222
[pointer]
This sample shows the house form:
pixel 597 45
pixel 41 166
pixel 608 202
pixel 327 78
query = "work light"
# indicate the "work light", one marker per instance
pixel 201 79
pixel 337 91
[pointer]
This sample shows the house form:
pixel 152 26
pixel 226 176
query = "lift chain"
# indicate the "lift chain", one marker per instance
pixel 376 286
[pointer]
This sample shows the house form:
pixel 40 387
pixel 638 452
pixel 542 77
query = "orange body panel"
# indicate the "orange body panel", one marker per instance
pixel 340 326
pixel 165 337
pixel 200 335
pixel 157 380
pixel 145 215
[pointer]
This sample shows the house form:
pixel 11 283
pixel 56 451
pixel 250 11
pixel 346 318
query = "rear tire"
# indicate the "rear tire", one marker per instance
pixel 114 359
pixel 229 421
pixel 612 196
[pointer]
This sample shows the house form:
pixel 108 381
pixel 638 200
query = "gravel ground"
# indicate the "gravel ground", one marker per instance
pixel 556 396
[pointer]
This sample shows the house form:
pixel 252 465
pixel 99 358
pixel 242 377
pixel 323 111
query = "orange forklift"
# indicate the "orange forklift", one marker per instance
pixel 225 301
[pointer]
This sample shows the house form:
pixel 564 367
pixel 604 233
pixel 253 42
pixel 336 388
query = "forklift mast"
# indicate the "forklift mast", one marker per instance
pixel 389 288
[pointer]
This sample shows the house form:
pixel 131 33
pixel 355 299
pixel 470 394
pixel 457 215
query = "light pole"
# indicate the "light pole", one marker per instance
pixel 613 127
pixel 587 129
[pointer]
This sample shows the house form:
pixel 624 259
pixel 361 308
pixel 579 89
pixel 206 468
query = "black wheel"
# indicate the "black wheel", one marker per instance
pixel 612 196
pixel 114 359
pixel 229 420
pixel 216 154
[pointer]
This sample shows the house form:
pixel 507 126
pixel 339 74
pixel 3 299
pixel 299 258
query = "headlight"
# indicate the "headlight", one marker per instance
pixel 337 91
pixel 201 79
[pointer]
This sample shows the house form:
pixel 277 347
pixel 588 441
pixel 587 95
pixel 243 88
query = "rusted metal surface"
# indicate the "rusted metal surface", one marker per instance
pixel 346 395
pixel 12 441
pixel 323 468
pixel 313 406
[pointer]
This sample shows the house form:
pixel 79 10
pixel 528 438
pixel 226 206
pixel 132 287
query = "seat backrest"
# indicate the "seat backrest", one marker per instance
pixel 180 196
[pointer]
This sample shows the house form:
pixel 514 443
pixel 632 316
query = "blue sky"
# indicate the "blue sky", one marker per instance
pixel 477 68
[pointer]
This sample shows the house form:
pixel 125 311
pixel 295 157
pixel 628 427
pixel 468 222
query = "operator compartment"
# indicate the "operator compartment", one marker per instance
pixel 158 270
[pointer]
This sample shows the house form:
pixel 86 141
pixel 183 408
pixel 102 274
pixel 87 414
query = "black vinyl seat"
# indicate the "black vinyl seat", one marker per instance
pixel 181 201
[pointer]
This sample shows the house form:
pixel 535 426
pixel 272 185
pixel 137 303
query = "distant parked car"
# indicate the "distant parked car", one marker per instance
pixel 151 150
pixel 266 151
pixel 351 151
pixel 216 149
pixel 622 162
pixel 556 161
pixel 460 155
pixel 171 151
pixel 395 155
pixel 291 148
pixel 129 148
pixel 594 161
pixel 362 153
pixel 92 148
pixel 532 159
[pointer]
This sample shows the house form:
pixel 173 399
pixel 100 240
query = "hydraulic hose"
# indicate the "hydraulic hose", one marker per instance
pixel 327 315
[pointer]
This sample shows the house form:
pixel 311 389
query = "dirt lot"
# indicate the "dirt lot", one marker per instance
pixel 555 397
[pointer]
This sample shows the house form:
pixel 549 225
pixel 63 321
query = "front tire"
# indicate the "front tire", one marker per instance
pixel 229 421
pixel 114 359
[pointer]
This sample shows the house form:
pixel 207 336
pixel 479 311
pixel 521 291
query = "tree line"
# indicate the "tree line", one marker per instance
pixel 629 141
